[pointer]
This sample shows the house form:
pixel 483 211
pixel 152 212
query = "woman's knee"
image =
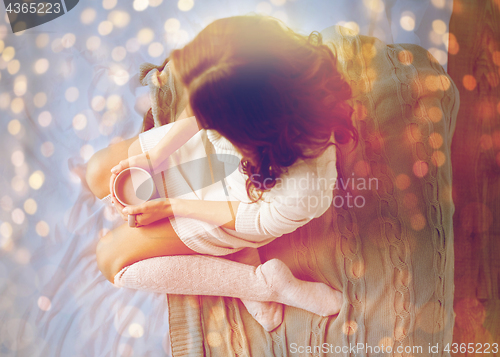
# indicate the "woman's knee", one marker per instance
pixel 100 164
pixel 108 261
pixel 97 176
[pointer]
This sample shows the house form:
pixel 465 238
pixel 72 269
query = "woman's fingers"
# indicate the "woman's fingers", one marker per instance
pixel 135 209
pixel 149 212
pixel 121 166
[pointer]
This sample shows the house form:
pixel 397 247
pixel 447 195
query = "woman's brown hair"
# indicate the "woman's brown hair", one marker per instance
pixel 274 94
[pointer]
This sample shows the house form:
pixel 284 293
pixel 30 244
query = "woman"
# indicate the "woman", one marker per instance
pixel 273 100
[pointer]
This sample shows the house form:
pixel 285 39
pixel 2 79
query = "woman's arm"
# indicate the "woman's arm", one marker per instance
pixel 219 213
pixel 180 133
pixel 183 129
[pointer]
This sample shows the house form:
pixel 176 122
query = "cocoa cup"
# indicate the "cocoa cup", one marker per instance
pixel 132 187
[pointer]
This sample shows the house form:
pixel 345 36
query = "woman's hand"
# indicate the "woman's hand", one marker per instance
pixel 142 160
pixel 147 212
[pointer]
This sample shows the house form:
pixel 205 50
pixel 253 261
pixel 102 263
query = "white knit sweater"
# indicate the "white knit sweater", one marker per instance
pixel 303 193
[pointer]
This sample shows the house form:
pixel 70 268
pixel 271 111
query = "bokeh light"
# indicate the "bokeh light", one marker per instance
pixel 20 85
pixel 17 183
pixel 118 53
pixel 105 28
pixel 17 158
pixel 155 49
pixel 145 36
pixel 436 38
pixel 42 40
pixel 438 158
pixel 41 66
pixel 6 203
pixel 214 339
pixel 496 58
pixel 114 102
pixel 88 16
pixel 119 18
pixel 42 229
pixel 420 168
pixel 8 53
pixel 135 330
pixel 86 152
pixel 185 5
pixel 68 40
pixel 13 67
pixel 418 222
pixel 407 21
pixel 44 119
pixel 93 43
pixel 469 82
pixel 44 303
pixel 14 127
pixel 30 206
pixel 349 327
pixel 71 94
pixel 40 99
pixel 36 179
pixel 155 3
pixel 452 44
pixel 4 100
pixel 109 4
pixel 47 149
pixel 79 122
pixel 6 230
pixel 119 75
pixel 435 114
pixel 435 140
pixel 351 25
pixel 19 28
pixel 439 26
pixel 18 216
pixel 98 103
pixel 440 55
pixel 278 2
pixel 140 5
pixel 432 83
pixel 402 181
pixel 439 3
pixel 17 105
pixel 172 25
pixel 375 5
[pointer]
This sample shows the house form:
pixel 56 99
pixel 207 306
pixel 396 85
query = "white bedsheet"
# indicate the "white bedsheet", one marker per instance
pixel 69 88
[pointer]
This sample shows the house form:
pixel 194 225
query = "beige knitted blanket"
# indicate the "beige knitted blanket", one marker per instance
pixel 386 242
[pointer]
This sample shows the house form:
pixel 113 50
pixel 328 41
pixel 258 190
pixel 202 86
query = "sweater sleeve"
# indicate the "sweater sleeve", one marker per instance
pixel 304 193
